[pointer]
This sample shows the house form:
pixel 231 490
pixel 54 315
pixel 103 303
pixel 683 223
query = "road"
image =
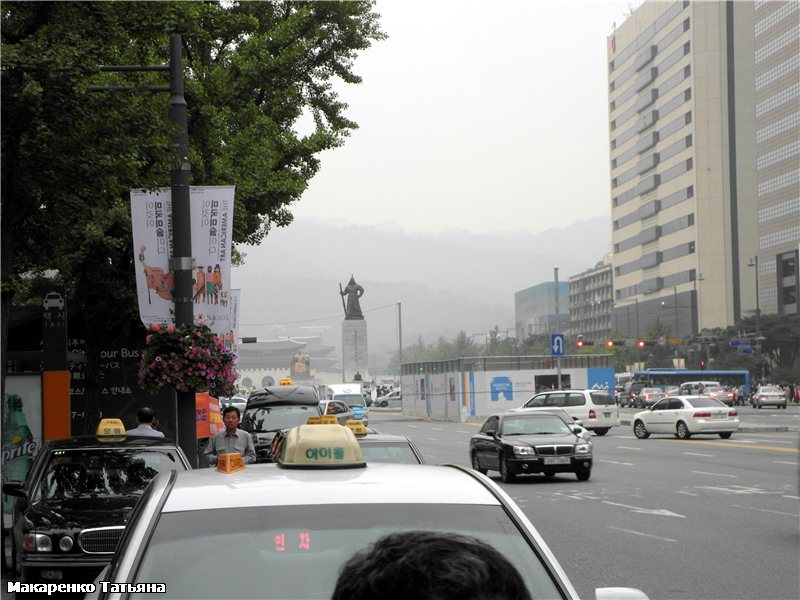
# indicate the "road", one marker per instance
pixel 678 519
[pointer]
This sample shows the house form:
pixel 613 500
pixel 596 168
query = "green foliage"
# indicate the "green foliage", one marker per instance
pixel 254 71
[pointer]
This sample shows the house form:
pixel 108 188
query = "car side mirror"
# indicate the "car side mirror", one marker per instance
pixel 491 433
pixel 13 488
pixel 576 430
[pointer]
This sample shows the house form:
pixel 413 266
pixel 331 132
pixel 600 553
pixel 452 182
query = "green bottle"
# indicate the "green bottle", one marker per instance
pixel 18 445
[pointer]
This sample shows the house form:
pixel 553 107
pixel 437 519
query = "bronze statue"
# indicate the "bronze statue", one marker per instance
pixel 353 291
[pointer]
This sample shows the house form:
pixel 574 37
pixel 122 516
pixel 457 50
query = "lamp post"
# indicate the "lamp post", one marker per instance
pixel 558 328
pixel 675 289
pixel 697 302
pixel 754 263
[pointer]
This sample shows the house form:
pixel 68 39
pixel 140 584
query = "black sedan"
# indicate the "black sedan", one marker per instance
pixel 71 510
pixel 516 443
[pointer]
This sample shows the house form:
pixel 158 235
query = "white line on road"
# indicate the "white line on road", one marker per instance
pixel 661 512
pixel 699 454
pixel 414 426
pixel 687 493
pixel 615 462
pixel 773 441
pixel 628 448
pixel 655 537
pixel 774 512
pixel 785 462
pixel 714 474
pixel 462 431
pixel 791 497
pixel 437 428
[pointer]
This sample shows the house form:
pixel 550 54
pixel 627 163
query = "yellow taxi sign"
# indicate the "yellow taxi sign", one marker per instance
pixel 328 420
pixel 286 381
pixel 357 427
pixel 321 447
pixel 229 463
pixel 315 420
pixel 110 427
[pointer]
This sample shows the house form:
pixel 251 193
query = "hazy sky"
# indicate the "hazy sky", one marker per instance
pixel 475 115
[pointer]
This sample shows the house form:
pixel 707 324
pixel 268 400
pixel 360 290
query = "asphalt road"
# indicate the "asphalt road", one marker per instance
pixel 700 518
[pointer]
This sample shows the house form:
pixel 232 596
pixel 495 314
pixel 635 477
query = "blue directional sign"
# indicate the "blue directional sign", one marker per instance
pixel 744 350
pixel 557 344
pixel 738 343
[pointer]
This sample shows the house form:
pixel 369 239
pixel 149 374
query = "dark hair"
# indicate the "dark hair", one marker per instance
pixel 146 415
pixel 232 408
pixel 429 565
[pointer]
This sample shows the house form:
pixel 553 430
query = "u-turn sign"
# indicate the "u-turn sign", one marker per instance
pixel 557 344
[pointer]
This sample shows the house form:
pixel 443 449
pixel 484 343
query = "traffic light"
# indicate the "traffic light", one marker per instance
pixel 579 343
pixel 641 344
pixel 702 365
pixel 612 343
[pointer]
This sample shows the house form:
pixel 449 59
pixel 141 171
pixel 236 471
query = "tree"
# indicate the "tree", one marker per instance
pixel 254 72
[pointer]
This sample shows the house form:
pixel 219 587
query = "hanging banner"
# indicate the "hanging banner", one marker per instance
pixel 211 210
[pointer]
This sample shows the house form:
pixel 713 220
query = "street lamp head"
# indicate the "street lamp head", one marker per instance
pixel 753 262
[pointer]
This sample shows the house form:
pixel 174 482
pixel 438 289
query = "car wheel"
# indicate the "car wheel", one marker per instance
pixel 682 431
pixel 640 431
pixel 725 436
pixel 759 406
pixel 583 474
pixel 602 431
pixel 476 466
pixel 506 476
pixel 784 406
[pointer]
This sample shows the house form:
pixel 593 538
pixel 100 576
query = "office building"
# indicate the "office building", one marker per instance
pixel 777 117
pixel 591 301
pixel 682 151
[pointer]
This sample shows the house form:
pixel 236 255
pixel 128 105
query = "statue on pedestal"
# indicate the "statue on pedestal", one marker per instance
pixel 353 291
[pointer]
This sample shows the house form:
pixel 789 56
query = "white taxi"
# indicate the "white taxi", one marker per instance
pixel 284 530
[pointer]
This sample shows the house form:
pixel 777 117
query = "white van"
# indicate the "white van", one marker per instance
pixel 352 395
pixel 596 409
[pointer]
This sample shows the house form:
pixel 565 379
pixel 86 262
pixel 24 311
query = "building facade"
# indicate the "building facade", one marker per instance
pixel 777 118
pixel 591 302
pixel 682 152
pixel 538 310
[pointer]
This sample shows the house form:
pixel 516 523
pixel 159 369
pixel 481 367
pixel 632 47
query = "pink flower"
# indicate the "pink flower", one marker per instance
pixel 155 327
pixel 170 329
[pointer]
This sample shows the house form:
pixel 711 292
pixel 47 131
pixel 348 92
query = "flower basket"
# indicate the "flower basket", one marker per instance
pixel 189 358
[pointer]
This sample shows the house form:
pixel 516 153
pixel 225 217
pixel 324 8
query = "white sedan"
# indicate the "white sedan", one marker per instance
pixel 684 416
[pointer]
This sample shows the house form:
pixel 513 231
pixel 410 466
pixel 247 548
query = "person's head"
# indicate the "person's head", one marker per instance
pixel 429 565
pixel 209 268
pixel 146 415
pixel 231 417
pixel 216 269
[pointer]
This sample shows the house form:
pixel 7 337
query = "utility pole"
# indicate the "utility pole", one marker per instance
pixel 399 339
pixel 558 327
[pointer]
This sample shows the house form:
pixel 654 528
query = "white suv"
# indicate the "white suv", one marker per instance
pixel 596 409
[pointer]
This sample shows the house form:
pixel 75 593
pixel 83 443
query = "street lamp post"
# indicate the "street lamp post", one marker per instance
pixel 675 289
pixel 697 302
pixel 754 263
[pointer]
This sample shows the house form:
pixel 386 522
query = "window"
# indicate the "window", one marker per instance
pixel 575 399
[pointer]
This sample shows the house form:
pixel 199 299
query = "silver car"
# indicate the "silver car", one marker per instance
pixel 768 395
pixel 284 530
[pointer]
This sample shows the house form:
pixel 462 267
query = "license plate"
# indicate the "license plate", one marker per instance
pixel 556 460
pixel 607 415
pixel 720 415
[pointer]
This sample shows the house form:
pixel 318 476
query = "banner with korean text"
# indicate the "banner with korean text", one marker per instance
pixel 212 231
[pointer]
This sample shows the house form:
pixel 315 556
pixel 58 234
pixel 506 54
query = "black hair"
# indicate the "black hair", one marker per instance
pixel 429 565
pixel 232 408
pixel 146 415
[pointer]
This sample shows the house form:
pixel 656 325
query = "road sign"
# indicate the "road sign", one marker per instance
pixel 662 340
pixel 744 350
pixel 557 344
pixel 675 341
pixel 739 342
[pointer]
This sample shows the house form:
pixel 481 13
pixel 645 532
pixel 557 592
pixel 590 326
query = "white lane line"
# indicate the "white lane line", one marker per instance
pixel 773 441
pixel 661 512
pixel 699 454
pixel 791 497
pixel 774 512
pixel 714 474
pixel 628 448
pixel 785 462
pixel 437 428
pixel 462 431
pixel 616 462
pixel 414 426
pixel 647 535
pixel 686 493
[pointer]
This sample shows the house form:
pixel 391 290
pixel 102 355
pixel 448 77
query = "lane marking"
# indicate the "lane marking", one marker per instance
pixel 628 448
pixel 733 445
pixel 661 512
pixel 774 512
pixel 616 462
pixel 785 462
pixel 437 428
pixel 414 426
pixel 791 497
pixel 686 493
pixel 715 474
pixel 647 535
pixel 793 441
pixel 462 431
pixel 699 454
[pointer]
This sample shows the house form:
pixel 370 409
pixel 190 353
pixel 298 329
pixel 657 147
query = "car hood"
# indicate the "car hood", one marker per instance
pixel 81 513
pixel 541 440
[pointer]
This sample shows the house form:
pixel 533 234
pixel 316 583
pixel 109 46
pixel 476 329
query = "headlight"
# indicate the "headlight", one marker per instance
pixel 583 448
pixel 37 542
pixel 65 543
pixel 524 450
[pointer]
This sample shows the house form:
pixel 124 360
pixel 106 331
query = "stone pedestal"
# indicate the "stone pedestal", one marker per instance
pixel 355 356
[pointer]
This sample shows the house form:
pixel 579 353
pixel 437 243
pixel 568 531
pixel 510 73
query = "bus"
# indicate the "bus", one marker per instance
pixel 670 378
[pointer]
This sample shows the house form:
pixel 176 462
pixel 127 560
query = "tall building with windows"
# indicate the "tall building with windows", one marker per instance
pixel 591 301
pixel 777 117
pixel 682 152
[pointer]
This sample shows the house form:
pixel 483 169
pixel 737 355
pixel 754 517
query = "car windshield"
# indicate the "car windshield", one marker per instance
pixel 352 400
pixel 535 425
pixel 101 472
pixel 771 390
pixel 391 452
pixel 297 551
pixel 602 398
pixel 261 419
pixel 705 402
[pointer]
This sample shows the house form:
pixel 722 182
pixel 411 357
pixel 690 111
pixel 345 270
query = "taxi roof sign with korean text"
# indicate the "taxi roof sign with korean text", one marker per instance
pixel 321 447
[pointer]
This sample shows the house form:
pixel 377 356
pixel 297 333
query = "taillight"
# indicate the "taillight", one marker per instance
pixel 733 413
pixel 592 414
pixel 701 415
